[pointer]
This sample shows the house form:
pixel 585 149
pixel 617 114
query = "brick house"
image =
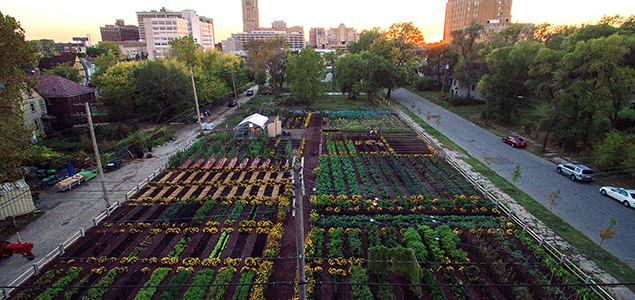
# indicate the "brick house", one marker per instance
pixel 62 95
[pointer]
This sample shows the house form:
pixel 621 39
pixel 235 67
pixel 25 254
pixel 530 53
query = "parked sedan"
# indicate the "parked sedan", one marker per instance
pixel 576 172
pixel 515 141
pixel 627 197
pixel 249 93
pixel 231 103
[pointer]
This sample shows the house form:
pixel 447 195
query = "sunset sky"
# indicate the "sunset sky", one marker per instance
pixel 62 20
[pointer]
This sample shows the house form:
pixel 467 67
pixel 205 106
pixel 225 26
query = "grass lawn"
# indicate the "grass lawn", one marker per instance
pixel 577 239
pixel 530 115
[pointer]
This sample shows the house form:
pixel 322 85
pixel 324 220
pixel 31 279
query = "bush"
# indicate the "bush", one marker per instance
pixel 157 276
pixel 195 292
pixel 427 84
pixel 98 292
pixel 358 275
pixel 175 285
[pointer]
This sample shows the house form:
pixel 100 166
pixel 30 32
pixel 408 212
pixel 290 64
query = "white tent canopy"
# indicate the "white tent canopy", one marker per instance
pixel 256 119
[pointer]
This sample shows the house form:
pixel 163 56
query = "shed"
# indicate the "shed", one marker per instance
pixel 274 128
pixel 15 199
pixel 251 126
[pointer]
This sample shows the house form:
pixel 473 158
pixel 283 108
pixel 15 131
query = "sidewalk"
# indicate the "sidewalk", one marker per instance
pixel 76 208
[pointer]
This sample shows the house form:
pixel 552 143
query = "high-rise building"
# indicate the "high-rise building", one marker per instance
pixel 252 31
pixel 460 14
pixel 340 36
pixel 119 32
pixel 251 21
pixel 161 28
pixel 162 13
pixel 318 37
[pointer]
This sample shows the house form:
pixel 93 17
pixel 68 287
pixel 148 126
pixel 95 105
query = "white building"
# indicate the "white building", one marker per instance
pixel 334 38
pixel 294 36
pixel 159 31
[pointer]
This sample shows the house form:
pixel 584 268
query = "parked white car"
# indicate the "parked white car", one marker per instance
pixel 627 197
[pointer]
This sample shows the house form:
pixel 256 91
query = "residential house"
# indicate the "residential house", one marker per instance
pixel 35 112
pixel 67 58
pixel 457 88
pixel 63 95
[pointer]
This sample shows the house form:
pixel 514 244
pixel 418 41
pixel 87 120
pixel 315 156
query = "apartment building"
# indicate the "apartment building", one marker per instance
pixel 159 31
pixel 460 14
pixel 333 38
pixel 119 32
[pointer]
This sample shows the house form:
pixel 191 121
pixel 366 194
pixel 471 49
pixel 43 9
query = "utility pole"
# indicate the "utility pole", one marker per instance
pixel 198 112
pixel 100 171
pixel 234 84
pixel 445 76
pixel 299 237
pixel 553 109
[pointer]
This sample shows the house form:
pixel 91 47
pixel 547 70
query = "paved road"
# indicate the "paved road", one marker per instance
pixel 580 204
pixel 67 212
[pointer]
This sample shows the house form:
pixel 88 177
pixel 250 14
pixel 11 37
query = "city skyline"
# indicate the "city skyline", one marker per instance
pixel 63 21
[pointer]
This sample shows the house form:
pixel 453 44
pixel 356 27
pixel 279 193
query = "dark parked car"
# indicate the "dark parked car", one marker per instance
pixel 231 103
pixel 249 93
pixel 515 141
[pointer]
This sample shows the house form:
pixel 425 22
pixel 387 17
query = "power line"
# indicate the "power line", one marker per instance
pixel 292 283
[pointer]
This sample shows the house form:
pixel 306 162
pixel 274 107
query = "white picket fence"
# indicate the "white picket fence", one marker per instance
pixel 6 291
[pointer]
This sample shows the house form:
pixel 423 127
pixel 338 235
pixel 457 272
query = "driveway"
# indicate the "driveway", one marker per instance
pixel 67 212
pixel 580 204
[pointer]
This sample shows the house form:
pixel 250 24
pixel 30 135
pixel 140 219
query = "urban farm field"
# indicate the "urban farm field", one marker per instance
pixel 385 216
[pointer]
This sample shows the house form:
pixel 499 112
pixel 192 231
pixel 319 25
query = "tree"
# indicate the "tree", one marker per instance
pixel 408 33
pixel 107 55
pixel 162 89
pixel 329 61
pixel 185 50
pixel 508 36
pixel 465 43
pixel 118 90
pixel 378 74
pixel 508 72
pixel 271 56
pixel 347 72
pixel 516 174
pixel 65 70
pixel 15 52
pixel 306 71
pixel 46 47
pixel 552 198
pixel 366 39
pixel 609 232
pixel 404 39
pixel 614 150
pixel 214 75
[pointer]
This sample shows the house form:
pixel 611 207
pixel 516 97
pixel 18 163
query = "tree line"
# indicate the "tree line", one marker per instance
pixel 582 78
